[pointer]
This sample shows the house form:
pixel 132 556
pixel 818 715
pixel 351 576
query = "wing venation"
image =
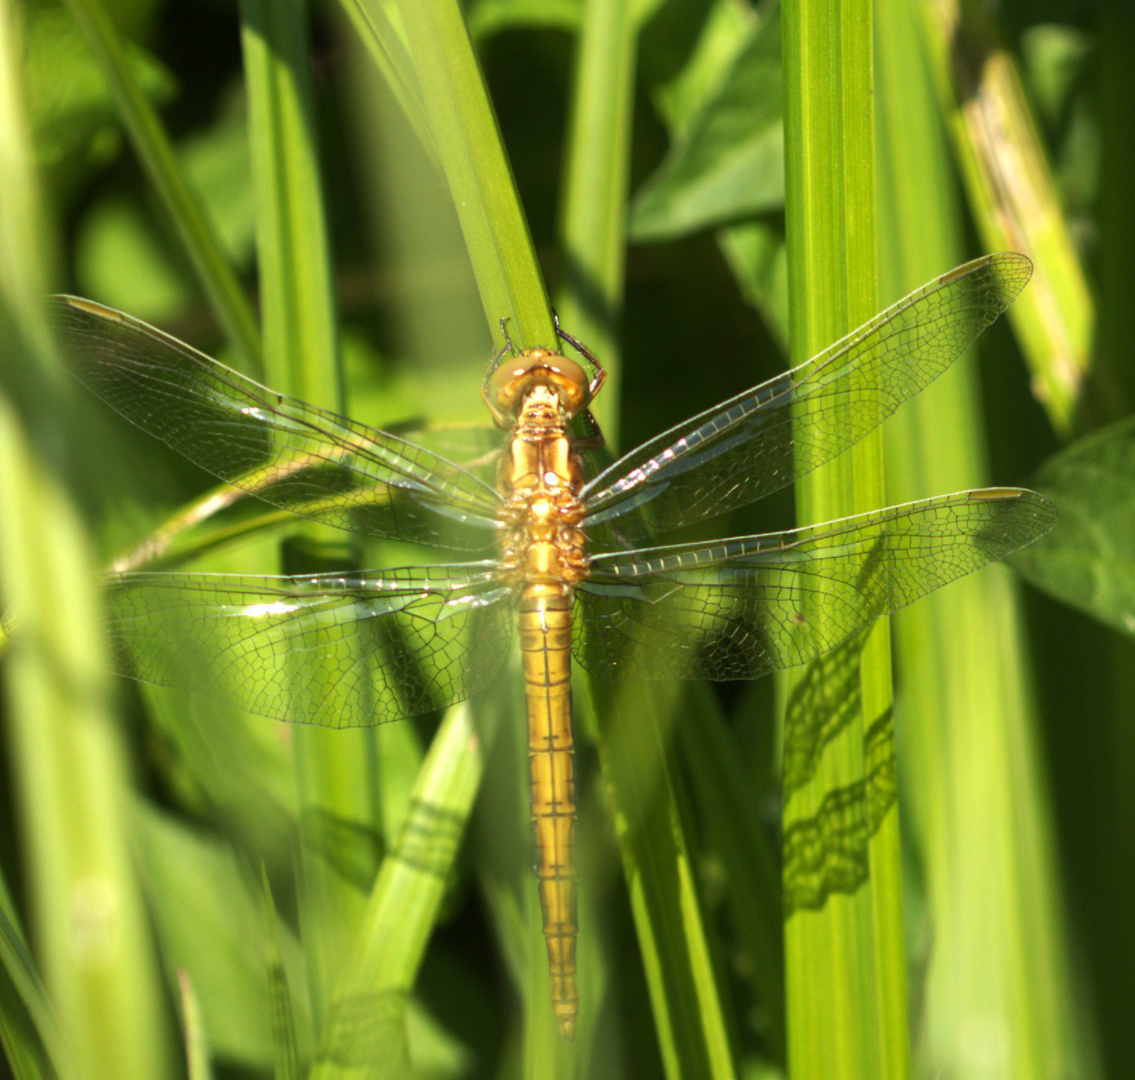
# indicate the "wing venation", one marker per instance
pixel 292 455
pixel 743 608
pixel 762 439
pixel 334 650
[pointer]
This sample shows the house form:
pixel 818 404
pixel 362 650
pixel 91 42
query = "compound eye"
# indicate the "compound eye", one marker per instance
pixel 506 382
pixel 514 376
pixel 509 373
pixel 571 381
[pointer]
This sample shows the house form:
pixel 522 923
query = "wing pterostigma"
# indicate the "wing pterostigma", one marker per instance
pixel 762 439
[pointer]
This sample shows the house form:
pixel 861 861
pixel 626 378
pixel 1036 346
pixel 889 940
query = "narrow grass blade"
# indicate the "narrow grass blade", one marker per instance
pixel 1014 201
pixel 297 299
pixel 198 1065
pixel 476 169
pixel 680 977
pixel 65 752
pixel 209 917
pixel 156 153
pixel 844 942
pixel 334 770
pixel 29 1030
pixel 71 773
pixel 724 90
pixel 594 210
pixel 972 776
pixel 727 802
pixel 463 135
pixel 286 1062
pixel 592 241
pixel 365 1034
pixel 688 1013
pixel 385 41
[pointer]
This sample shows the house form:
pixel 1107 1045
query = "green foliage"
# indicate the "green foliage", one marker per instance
pixel 1090 561
pixel 210 894
pixel 730 165
pixel 199 892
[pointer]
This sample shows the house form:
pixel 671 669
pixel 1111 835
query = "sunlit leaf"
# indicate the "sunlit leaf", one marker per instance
pixel 1088 560
pixel 732 163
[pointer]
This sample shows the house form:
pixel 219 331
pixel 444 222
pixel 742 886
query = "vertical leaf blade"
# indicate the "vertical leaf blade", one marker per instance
pixel 844 942
pixel 972 776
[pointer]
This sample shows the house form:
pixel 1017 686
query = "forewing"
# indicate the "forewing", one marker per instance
pixel 762 439
pixel 286 452
pixel 392 644
pixel 742 608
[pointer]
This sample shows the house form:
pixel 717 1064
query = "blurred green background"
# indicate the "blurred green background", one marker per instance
pixel 190 890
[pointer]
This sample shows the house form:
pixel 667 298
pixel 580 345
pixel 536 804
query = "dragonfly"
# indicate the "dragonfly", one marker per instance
pixel 554 557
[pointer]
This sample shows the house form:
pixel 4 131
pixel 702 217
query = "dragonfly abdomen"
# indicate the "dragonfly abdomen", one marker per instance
pixel 545 643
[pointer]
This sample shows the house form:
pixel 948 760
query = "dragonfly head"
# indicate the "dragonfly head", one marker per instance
pixel 515 378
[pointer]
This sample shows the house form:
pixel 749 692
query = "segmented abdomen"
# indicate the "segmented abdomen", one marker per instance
pixel 545 642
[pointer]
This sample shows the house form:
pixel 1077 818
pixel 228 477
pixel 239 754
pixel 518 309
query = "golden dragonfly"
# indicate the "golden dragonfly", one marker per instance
pixel 556 553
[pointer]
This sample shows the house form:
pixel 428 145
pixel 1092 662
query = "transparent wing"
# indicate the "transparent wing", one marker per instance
pixel 742 608
pixel 290 454
pixel 762 439
pixel 392 644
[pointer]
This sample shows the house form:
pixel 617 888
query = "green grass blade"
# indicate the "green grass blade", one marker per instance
pixel 594 210
pixel 300 346
pixel 477 170
pixel 993 893
pixel 464 130
pixel 198 1063
pixel 1014 200
pixel 365 1035
pixel 66 754
pixel 503 851
pixel 334 770
pixel 286 1060
pixel 590 299
pixel 71 773
pixel 209 917
pixel 728 803
pixel 157 156
pixel 844 939
pixel 711 97
pixel 29 1030
pixel 684 997
pixel 386 45
pixel 656 863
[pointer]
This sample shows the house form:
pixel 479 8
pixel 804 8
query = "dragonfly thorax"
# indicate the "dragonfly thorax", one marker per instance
pixel 540 478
